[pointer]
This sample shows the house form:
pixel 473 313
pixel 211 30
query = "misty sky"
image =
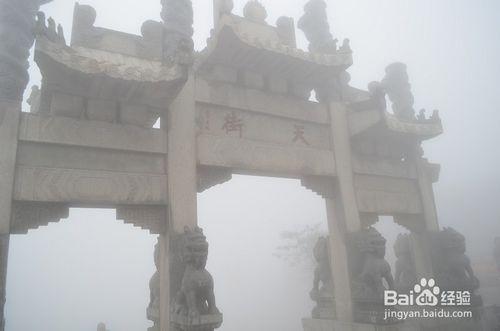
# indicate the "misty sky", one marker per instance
pixel 92 268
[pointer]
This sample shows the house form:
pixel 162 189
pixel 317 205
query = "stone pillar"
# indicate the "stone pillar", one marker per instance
pixel 4 253
pixel 426 224
pixel 180 124
pixel 17 20
pixel 427 195
pixel 9 125
pixel 421 247
pixel 342 211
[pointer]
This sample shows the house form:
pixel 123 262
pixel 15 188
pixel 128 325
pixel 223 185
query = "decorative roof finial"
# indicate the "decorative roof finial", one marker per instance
pixel 255 12
pixel 177 16
pixel 397 85
pixel 315 25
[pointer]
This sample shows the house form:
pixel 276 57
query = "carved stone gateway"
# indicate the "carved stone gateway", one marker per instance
pixel 141 124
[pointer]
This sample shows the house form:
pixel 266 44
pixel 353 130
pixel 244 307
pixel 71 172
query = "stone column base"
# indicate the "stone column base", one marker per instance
pixel 311 324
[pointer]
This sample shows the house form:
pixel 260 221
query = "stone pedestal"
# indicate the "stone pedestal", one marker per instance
pixel 202 323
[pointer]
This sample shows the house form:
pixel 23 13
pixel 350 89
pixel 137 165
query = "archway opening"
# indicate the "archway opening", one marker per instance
pixel 81 271
pixel 244 221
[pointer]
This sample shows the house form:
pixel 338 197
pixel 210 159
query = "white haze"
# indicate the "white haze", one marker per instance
pixel 92 268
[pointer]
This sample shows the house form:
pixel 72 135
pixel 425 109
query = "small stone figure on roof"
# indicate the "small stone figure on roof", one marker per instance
pixel 48 29
pixel 315 25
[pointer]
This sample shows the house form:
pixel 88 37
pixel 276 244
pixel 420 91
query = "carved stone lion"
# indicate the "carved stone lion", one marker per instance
pixel 322 291
pixel 153 311
pixel 369 270
pixel 452 266
pixel 194 307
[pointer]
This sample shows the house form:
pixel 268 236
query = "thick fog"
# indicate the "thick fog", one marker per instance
pixel 92 268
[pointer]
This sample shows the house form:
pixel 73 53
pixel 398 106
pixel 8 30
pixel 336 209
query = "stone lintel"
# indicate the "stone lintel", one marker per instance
pixel 78 186
pixel 248 155
pixel 279 105
pixel 75 132
pixel 386 195
pixel 88 158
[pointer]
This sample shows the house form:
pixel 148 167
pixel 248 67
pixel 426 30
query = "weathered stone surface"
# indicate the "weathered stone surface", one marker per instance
pixel 138 115
pixel 387 196
pixel 261 102
pixel 247 125
pixel 71 157
pixel 67 105
pixel 211 176
pixel 252 79
pixel 102 110
pixel 260 157
pixel 220 73
pixel 277 84
pixel 73 132
pixel 85 186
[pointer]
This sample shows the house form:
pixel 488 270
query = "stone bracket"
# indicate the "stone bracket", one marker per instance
pixel 32 215
pixel 211 176
pixel 321 185
pixel 152 218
